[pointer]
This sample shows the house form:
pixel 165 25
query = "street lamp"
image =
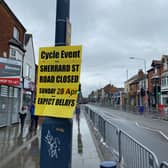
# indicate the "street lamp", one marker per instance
pixel 142 60
pixel 144 66
pixel 136 58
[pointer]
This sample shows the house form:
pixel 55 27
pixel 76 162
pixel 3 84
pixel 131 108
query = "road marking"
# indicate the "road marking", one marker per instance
pixel 154 130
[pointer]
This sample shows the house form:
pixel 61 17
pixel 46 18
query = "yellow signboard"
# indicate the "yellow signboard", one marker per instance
pixel 58 81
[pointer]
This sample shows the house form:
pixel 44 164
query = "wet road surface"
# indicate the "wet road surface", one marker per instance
pixel 23 151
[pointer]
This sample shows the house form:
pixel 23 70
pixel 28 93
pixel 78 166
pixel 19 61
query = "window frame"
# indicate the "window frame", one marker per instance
pixel 15 33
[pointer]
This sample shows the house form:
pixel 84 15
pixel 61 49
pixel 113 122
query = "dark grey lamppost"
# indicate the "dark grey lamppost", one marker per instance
pixel 59 130
pixel 144 61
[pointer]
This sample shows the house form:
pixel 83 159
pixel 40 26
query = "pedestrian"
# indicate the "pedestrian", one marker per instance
pixel 34 118
pixel 77 112
pixel 22 116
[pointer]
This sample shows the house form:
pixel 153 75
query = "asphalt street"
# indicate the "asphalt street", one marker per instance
pixel 150 132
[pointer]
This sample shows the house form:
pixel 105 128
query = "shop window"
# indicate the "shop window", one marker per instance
pixel 16 92
pixel 10 91
pixel 4 90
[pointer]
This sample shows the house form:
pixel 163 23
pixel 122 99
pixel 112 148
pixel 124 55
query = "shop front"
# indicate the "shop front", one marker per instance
pixel 10 91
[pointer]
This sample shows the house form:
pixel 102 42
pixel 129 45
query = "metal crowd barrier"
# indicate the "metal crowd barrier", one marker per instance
pixel 130 152
pixel 135 155
pixel 164 165
pixel 112 137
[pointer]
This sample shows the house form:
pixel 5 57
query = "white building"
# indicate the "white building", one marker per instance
pixel 29 69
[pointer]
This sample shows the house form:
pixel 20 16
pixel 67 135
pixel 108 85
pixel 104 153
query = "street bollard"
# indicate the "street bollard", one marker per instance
pixel 108 164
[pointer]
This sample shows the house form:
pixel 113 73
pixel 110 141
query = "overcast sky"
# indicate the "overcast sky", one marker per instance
pixel 110 32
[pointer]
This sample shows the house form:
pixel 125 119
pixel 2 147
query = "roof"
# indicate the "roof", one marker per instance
pixel 27 37
pixel 14 16
pixel 151 69
pixel 156 63
pixel 110 88
pixel 164 56
pixel 132 78
pixel 16 43
pixel 134 82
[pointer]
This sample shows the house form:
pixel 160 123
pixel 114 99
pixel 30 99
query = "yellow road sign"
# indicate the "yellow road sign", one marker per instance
pixel 58 81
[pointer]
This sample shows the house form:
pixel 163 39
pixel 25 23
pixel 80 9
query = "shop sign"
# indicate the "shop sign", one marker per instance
pixel 10 72
pixel 58 81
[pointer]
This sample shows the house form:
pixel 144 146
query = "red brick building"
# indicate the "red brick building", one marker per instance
pixel 11 59
pixel 12 32
pixel 154 82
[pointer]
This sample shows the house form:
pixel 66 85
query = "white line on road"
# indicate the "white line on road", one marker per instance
pixel 154 130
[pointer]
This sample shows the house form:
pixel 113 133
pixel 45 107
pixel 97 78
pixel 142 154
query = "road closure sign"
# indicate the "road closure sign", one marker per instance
pixel 58 81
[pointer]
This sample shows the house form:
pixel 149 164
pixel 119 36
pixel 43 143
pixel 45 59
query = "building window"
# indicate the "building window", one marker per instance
pixel 155 70
pixel 13 53
pixel 28 71
pixel 19 55
pixel 31 73
pixel 166 81
pixel 16 33
pixel 162 83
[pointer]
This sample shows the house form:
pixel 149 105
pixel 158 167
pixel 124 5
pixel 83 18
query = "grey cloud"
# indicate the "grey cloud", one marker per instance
pixel 110 31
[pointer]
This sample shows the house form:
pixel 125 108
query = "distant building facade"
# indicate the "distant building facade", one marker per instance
pixel 164 81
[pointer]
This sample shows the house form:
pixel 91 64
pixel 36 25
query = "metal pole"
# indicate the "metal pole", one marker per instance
pixel 145 87
pixel 127 74
pixel 145 65
pixel 62 15
pixel 58 130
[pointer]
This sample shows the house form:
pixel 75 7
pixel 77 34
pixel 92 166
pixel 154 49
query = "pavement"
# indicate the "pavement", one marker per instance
pixel 88 156
pixel 23 150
